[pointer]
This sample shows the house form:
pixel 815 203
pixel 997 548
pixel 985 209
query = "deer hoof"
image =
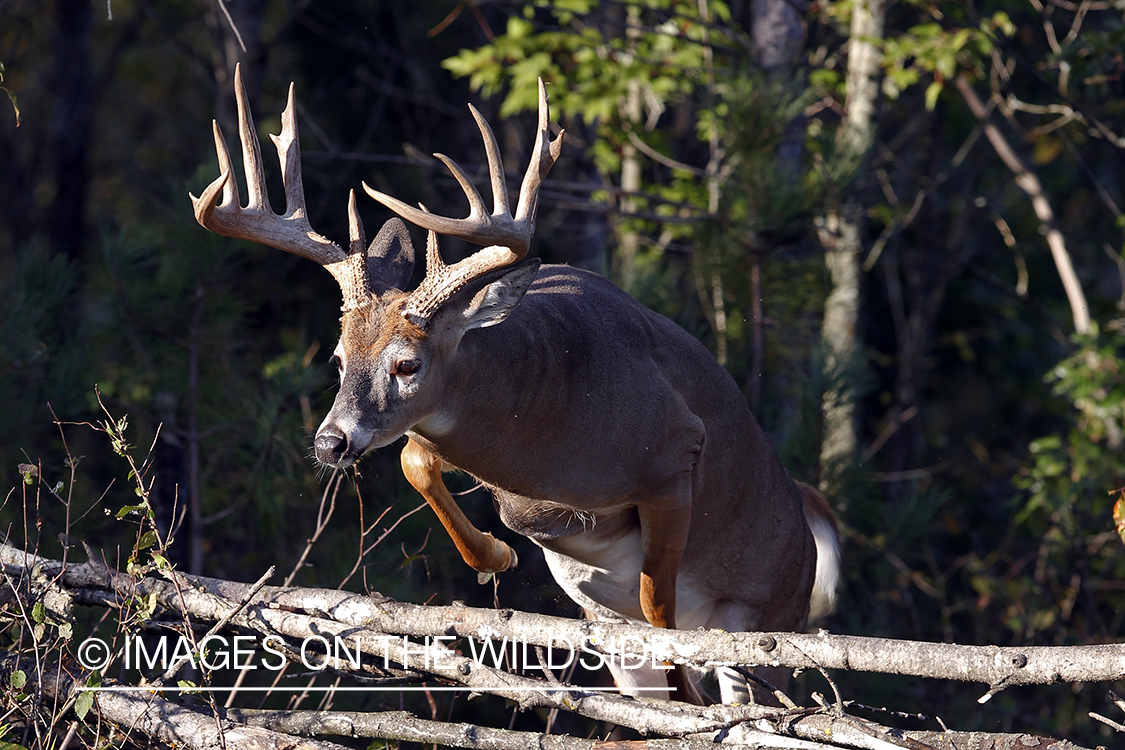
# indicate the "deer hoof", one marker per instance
pixel 501 549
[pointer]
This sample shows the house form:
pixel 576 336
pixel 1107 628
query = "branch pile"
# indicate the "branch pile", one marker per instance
pixel 405 641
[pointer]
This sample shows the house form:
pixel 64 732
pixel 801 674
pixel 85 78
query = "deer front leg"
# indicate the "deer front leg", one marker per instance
pixel 482 552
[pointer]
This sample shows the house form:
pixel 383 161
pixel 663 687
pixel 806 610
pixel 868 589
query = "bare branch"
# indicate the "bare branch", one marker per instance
pixel 210 598
pixel 1026 178
pixel 155 717
pixel 303 613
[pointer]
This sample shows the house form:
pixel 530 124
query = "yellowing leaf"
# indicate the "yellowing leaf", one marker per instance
pixel 1046 150
pixel 1119 513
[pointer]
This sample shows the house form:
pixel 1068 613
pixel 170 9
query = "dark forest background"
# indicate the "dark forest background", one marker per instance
pixel 886 290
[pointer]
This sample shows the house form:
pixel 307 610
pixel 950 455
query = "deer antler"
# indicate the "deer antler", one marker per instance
pixel 508 235
pixel 257 221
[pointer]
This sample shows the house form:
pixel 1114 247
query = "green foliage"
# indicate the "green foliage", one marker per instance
pixel 933 49
pixel 41 327
pixel 1070 490
pixel 1083 464
pixel 591 64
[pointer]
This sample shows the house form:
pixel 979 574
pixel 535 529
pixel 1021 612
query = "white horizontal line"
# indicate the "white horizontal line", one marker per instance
pixel 373 688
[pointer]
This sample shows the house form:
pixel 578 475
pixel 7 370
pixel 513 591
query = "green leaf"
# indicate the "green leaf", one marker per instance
pixel 1001 21
pixel 147 540
pixel 38 612
pixel 932 93
pixel 18 679
pixel 146 606
pixel 945 63
pixel 126 510
pixel 83 702
pixel 29 472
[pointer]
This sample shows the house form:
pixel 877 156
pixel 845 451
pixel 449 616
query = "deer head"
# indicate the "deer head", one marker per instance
pixel 395 345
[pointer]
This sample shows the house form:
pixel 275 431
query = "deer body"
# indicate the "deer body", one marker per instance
pixel 583 412
pixel 607 434
pixel 615 406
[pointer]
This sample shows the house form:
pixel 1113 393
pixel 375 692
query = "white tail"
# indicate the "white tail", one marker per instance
pixel 607 434
pixel 826 534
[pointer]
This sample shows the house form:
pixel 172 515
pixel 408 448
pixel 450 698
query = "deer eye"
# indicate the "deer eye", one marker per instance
pixel 407 367
pixel 339 363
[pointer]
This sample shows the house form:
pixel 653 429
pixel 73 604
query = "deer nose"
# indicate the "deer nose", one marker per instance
pixel 330 445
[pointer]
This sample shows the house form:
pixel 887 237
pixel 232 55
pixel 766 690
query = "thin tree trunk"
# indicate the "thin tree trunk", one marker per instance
pixel 70 125
pixel 628 241
pixel 840 234
pixel 754 382
pixel 195 490
pixel 714 189
pixel 778 33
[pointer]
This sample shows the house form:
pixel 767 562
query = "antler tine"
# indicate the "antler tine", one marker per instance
pixel 476 203
pixel 499 228
pixel 230 185
pixel 251 148
pixel 206 205
pixel 545 152
pixel 433 255
pixel 495 165
pixel 357 240
pixel 476 227
pixel 289 152
pixel 434 262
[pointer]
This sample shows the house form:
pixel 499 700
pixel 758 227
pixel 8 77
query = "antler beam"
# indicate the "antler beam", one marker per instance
pixel 257 221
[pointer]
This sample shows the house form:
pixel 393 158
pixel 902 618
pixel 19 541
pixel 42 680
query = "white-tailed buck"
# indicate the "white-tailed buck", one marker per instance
pixel 607 434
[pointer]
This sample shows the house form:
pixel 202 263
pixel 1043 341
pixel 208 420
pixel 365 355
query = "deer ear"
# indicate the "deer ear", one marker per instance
pixel 390 258
pixel 488 300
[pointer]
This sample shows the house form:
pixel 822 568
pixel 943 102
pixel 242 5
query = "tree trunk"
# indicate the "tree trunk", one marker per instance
pixel 778 33
pixel 840 234
pixel 70 125
pixel 628 240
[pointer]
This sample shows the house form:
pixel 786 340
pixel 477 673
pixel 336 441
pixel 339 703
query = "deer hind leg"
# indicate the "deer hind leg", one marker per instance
pixel 664 532
pixel 735 687
pixel 636 676
pixel 481 551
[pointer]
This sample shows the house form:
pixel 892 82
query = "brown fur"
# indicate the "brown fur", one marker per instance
pixel 373 326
